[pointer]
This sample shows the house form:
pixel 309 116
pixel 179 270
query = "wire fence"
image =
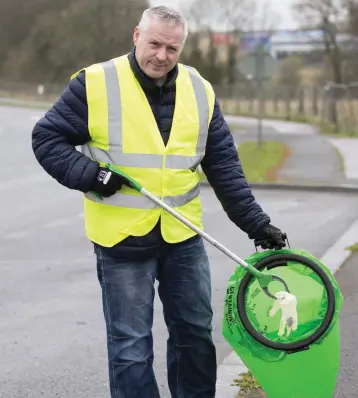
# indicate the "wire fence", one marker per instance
pixel 29 91
pixel 335 105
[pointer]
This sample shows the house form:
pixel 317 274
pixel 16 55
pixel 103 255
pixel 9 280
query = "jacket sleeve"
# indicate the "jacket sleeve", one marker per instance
pixel 222 167
pixel 56 135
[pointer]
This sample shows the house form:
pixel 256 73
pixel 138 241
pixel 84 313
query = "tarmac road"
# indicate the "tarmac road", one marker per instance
pixel 347 278
pixel 52 337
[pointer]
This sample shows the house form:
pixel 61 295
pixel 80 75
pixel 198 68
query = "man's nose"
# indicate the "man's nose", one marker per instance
pixel 162 54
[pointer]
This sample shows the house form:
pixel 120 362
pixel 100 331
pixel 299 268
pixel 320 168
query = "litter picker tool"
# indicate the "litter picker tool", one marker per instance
pixel 263 279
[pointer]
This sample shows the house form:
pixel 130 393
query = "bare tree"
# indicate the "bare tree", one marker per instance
pixel 61 42
pixel 352 16
pixel 16 21
pixel 327 16
pixel 350 63
pixel 225 16
pixel 202 51
pixel 232 17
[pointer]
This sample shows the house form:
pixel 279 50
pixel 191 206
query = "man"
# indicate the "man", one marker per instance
pixel 157 120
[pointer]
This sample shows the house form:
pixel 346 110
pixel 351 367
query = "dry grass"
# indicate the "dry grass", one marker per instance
pixel 249 388
pixel 347 111
pixel 353 248
pixel 310 75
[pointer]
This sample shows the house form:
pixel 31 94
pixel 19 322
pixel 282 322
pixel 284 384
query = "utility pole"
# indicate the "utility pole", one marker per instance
pixel 259 66
pixel 260 90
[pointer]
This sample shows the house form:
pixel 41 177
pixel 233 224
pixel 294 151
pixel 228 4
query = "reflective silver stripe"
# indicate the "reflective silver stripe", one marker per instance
pixel 124 200
pixel 203 110
pixel 115 154
pixel 183 162
pixel 190 162
pixel 181 200
pixel 141 160
pixel 142 202
pixel 114 109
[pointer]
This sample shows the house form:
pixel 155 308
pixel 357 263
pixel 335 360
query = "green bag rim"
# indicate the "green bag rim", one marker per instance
pixel 329 316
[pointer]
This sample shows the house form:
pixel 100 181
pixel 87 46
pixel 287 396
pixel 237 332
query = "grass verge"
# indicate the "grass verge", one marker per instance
pixel 249 388
pixel 341 159
pixel 353 248
pixel 261 164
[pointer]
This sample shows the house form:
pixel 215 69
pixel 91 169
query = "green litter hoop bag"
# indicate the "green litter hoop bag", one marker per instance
pixel 291 347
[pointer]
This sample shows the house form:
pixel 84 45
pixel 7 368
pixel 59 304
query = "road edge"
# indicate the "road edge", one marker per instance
pixel 231 367
pixel 298 186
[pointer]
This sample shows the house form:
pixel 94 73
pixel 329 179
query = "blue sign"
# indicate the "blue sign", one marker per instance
pixel 250 42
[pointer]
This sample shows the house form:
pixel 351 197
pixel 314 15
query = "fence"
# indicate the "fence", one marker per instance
pixel 333 106
pixel 29 91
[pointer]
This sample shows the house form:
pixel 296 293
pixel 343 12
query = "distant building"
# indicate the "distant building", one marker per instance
pixel 221 41
pixel 285 43
pixel 310 44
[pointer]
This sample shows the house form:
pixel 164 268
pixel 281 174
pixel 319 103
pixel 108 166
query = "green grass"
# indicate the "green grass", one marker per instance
pixel 261 164
pixel 353 248
pixel 248 386
pixel 340 159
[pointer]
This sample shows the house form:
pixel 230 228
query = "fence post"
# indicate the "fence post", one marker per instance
pixel 301 101
pixel 315 101
pixel 288 104
pixel 237 98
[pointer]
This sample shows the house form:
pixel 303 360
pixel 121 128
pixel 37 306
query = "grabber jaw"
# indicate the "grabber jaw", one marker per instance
pixel 266 279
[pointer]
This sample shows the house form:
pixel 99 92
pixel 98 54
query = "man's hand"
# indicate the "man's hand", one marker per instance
pixel 269 237
pixel 108 183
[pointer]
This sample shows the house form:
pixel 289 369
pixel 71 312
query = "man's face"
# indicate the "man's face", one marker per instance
pixel 158 47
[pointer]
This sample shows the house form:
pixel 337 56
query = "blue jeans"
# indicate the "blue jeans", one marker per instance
pixel 182 271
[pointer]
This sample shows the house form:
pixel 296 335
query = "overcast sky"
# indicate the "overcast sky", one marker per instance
pixel 281 8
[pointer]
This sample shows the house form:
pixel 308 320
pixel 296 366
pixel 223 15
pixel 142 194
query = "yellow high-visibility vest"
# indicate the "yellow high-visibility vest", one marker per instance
pixel 124 133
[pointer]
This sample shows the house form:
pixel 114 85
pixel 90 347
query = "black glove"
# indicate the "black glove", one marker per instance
pixel 269 237
pixel 108 183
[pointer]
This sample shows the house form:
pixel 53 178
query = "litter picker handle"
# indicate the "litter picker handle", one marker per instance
pixel 133 183
pixel 195 228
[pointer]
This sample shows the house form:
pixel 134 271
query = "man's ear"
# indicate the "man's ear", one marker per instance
pixel 135 35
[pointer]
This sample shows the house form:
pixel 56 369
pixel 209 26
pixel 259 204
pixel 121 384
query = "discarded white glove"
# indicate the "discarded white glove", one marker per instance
pixel 287 303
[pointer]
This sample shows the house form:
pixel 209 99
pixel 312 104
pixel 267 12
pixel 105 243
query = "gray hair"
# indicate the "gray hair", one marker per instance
pixel 165 14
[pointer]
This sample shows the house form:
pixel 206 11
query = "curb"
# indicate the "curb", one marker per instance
pixel 314 187
pixel 297 186
pixel 232 365
pixel 14 102
pixel 337 254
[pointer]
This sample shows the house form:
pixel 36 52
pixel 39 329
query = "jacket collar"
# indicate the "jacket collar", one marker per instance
pixel 145 81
